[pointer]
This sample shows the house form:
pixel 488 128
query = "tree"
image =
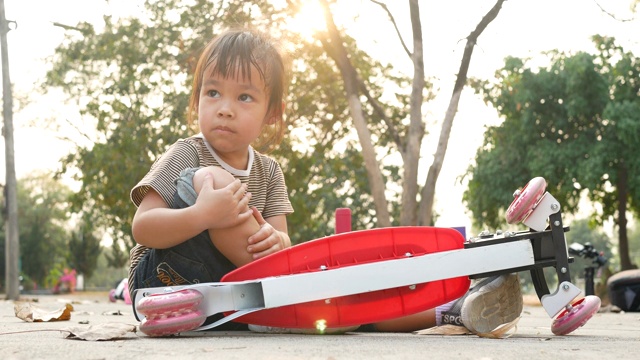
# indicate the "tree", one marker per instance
pixel 406 139
pixel 43 211
pixel 634 244
pixel 133 79
pixel 84 250
pixel 576 123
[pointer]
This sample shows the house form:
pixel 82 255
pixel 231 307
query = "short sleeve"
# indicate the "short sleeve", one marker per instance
pixel 277 202
pixel 165 170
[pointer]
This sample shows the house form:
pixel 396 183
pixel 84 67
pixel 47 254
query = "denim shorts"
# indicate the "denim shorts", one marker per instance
pixel 194 261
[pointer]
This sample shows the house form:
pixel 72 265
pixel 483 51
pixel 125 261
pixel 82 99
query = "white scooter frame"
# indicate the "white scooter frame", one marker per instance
pixel 542 246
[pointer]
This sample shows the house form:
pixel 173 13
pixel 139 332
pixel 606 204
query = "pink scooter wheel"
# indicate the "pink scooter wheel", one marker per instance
pixel 525 200
pixel 173 324
pixel 570 319
pixel 170 302
pixel 171 313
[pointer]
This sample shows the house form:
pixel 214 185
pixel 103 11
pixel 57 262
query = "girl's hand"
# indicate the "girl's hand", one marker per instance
pixel 267 240
pixel 225 207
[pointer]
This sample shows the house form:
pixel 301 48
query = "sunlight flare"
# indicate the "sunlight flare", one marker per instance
pixel 308 20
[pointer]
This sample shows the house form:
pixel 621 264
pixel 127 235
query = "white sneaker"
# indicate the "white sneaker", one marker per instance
pixel 492 304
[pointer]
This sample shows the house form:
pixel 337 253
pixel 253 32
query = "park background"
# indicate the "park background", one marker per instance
pixel 48 126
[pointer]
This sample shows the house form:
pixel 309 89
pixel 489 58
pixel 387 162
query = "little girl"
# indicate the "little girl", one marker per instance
pixel 212 203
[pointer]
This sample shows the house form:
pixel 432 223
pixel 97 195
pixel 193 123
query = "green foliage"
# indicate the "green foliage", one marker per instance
pixel 550 122
pixel 47 245
pixel 56 270
pixel 324 166
pixel 576 123
pixel 582 233
pixel 84 249
pixel 105 276
pixel 634 244
pixel 133 79
pixel 43 210
pixel 318 176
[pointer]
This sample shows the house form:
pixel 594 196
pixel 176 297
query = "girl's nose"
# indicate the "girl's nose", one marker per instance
pixel 225 109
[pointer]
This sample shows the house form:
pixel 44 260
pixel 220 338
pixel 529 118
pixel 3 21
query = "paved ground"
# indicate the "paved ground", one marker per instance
pixel 607 336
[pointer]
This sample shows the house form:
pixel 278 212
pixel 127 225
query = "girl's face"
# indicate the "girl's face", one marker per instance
pixel 231 114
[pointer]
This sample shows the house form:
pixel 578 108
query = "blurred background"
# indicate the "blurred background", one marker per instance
pixel 461 103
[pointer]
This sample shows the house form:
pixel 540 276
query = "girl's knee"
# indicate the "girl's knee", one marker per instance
pixel 220 176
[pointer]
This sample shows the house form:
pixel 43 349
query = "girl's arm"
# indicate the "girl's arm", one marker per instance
pixel 155 225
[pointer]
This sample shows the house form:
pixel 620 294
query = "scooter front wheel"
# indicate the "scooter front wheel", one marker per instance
pixel 575 315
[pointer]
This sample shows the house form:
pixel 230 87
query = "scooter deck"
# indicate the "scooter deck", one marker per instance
pixel 349 249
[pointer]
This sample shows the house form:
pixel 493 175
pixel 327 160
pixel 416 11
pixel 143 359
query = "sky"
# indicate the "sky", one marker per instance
pixel 524 28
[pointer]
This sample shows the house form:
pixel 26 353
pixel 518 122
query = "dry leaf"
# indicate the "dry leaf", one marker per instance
pixel 498 333
pixel 107 331
pixel 444 330
pixel 31 313
pixel 501 331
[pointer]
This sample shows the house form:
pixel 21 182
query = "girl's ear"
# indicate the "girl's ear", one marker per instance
pixel 273 119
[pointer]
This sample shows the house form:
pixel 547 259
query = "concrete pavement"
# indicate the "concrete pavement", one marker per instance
pixel 606 336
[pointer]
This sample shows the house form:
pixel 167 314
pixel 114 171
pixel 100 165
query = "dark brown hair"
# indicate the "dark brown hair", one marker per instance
pixel 232 54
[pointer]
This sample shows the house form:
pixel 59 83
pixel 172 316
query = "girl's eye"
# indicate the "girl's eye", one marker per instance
pixel 212 93
pixel 245 98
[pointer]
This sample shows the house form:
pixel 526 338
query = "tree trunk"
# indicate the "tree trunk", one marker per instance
pixel 335 49
pixel 411 153
pixel 623 240
pixel 410 148
pixel 428 191
pixel 12 239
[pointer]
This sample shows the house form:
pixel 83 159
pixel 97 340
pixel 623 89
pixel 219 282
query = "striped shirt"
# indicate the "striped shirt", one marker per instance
pixel 263 175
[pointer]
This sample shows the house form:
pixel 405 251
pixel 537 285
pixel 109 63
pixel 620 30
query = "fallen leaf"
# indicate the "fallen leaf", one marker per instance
pixel 107 331
pixel 31 313
pixel 501 332
pixel 444 330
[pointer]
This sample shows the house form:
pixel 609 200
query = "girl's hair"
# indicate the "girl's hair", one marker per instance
pixel 231 55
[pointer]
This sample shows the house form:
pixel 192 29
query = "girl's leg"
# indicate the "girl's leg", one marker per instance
pixel 414 322
pixel 231 242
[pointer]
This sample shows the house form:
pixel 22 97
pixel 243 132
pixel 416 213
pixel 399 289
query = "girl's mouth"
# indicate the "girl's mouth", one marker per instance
pixel 222 129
